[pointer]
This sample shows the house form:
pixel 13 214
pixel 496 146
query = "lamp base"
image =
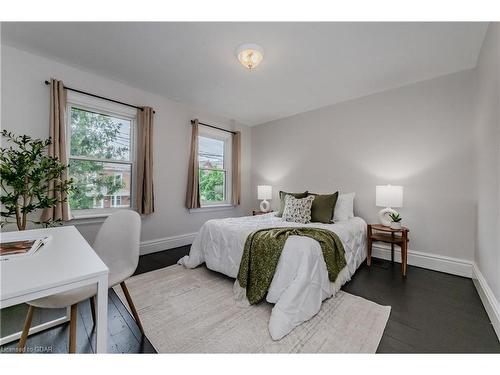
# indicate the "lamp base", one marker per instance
pixel 265 206
pixel 383 216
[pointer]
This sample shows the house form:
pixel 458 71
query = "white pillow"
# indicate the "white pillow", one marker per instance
pixel 344 208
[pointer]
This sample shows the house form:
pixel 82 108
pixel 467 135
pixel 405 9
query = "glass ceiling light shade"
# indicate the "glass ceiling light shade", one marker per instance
pixel 250 55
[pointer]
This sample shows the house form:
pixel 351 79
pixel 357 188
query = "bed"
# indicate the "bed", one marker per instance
pixel 300 283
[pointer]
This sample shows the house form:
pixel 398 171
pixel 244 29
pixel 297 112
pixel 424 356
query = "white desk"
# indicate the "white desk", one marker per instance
pixel 66 262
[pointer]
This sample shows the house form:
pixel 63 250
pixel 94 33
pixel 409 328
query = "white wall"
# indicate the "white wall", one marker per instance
pixel 25 110
pixel 419 136
pixel 488 159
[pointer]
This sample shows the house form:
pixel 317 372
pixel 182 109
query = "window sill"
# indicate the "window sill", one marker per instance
pixel 212 208
pixel 87 219
pixel 81 218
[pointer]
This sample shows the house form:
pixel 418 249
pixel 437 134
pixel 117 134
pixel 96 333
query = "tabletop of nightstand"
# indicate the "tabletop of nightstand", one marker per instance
pixel 383 228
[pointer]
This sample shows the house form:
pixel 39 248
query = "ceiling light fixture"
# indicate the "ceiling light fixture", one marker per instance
pixel 250 55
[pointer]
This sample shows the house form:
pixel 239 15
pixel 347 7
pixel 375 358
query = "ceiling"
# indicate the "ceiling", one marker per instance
pixel 305 66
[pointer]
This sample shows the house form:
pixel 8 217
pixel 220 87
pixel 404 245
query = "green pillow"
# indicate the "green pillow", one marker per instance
pixel 323 207
pixel 283 194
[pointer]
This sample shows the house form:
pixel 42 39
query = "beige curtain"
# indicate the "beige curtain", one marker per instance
pixel 57 132
pixel 145 198
pixel 236 166
pixel 193 191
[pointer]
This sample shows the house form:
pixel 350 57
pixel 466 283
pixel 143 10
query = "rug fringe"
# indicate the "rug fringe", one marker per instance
pixel 240 294
pixel 343 277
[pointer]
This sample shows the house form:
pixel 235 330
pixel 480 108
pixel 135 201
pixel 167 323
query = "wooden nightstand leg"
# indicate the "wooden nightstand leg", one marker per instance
pixel 404 260
pixel 369 247
pixel 369 253
pixel 404 256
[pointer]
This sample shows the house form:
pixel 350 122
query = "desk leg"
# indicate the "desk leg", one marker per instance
pixel 102 314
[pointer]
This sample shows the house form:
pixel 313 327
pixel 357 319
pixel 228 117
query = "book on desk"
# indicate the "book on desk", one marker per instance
pixel 21 247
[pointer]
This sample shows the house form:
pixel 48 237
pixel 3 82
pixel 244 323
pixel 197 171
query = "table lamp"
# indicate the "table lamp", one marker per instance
pixel 264 192
pixel 390 197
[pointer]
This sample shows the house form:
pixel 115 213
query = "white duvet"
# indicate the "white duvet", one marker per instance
pixel 300 283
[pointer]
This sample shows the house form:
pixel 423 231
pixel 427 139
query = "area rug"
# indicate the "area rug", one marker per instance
pixel 193 311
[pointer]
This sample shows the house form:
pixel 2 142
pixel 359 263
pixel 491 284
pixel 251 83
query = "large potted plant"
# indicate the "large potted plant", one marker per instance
pixel 26 172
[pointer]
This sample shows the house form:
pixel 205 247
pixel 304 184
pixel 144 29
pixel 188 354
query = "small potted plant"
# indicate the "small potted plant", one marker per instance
pixel 396 220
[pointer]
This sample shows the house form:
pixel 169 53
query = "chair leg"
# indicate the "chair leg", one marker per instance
pixel 72 328
pixel 27 325
pixel 132 306
pixel 92 308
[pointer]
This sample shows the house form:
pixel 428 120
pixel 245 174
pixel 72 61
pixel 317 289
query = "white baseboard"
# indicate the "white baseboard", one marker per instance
pixel 454 266
pixel 153 246
pixel 488 298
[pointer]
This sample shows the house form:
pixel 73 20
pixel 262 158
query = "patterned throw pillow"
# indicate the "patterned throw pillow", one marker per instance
pixel 298 210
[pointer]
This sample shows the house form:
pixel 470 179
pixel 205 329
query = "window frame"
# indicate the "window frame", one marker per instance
pixel 226 137
pixel 104 107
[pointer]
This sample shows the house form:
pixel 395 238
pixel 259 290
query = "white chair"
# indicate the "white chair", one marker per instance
pixel 117 244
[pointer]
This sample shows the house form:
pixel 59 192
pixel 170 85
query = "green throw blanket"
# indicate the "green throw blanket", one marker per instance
pixel 263 250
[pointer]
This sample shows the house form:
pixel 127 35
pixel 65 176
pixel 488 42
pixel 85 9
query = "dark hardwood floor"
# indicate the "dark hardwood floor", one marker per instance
pixel 432 312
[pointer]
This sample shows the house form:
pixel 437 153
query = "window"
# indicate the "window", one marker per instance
pixel 214 158
pixel 101 155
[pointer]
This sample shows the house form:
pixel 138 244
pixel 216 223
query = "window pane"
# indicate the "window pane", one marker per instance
pixel 210 153
pixel 99 136
pixel 98 185
pixel 212 185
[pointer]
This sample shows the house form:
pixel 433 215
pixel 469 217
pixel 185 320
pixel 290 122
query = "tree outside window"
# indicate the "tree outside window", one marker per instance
pixel 100 159
pixel 212 172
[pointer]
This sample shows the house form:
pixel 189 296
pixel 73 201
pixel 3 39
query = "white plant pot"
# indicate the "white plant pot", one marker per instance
pixel 395 225
pixel 383 216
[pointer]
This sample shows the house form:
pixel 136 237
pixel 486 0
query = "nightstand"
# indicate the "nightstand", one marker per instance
pixel 381 233
pixel 255 213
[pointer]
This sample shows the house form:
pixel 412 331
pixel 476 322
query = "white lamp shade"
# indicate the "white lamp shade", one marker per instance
pixel 389 196
pixel 264 192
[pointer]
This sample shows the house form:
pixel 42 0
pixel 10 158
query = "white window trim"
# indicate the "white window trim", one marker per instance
pixel 226 137
pixel 212 208
pixel 105 107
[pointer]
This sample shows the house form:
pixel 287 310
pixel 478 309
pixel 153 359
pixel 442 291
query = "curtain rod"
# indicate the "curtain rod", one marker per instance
pixel 100 97
pixel 214 127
